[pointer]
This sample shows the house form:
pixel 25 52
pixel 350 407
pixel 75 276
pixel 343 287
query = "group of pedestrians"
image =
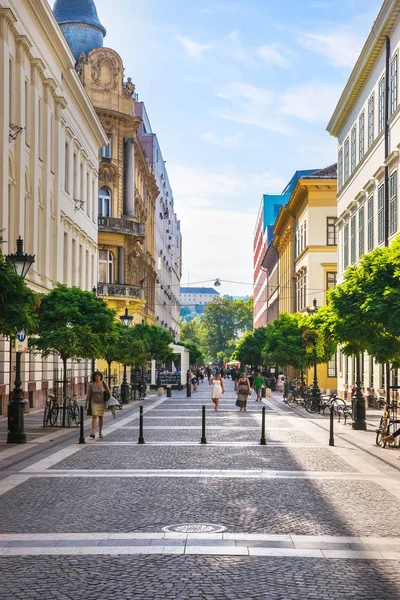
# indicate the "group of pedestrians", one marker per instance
pixel 243 387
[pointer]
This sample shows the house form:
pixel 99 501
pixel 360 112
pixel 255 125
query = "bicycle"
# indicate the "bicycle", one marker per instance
pixel 73 411
pixel 314 405
pixel 51 411
pixel 385 424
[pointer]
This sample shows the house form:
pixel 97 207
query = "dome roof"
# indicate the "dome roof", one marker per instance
pixel 77 11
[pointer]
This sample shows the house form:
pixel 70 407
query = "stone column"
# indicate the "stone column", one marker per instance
pixel 129 177
pixel 121 265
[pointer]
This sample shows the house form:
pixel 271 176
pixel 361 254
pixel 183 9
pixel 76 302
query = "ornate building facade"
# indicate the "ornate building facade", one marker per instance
pixel 50 138
pixel 127 188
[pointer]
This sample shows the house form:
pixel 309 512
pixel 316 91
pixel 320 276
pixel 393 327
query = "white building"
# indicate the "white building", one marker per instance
pixel 48 173
pixel 168 237
pixel 368 161
pixel 201 296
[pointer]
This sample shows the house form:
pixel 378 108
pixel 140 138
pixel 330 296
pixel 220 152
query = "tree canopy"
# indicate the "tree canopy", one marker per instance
pixel 249 348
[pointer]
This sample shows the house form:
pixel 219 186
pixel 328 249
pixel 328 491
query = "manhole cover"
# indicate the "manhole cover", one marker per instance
pixel 194 528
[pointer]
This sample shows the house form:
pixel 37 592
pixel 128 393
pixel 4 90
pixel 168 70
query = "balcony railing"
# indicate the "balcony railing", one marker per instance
pixel 118 290
pixel 122 225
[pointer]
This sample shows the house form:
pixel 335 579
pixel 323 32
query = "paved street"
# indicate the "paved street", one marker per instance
pixel 174 519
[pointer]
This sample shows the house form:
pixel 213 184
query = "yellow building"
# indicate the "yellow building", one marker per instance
pixel 127 191
pixel 306 240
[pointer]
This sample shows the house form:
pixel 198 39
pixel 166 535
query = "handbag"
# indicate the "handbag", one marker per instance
pixel 106 396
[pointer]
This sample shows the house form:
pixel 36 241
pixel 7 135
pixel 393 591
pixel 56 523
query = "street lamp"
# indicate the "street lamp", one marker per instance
pixel 315 391
pixel 358 402
pixel 126 320
pixel 16 408
pixel 94 290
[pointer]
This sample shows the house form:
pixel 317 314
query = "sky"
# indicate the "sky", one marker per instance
pixel 239 93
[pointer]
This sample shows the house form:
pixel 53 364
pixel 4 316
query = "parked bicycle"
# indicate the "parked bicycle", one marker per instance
pixel 386 425
pixel 50 411
pixel 315 405
pixel 73 412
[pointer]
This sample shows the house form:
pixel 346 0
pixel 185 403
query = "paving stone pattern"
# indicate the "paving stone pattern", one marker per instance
pixel 97 456
pixel 196 578
pixel 213 435
pixel 272 506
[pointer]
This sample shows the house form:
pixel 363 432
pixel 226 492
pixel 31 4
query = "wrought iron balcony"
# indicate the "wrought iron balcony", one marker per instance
pixel 117 290
pixel 123 225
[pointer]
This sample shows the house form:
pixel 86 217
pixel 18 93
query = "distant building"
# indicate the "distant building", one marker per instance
pixel 267 214
pixel 197 296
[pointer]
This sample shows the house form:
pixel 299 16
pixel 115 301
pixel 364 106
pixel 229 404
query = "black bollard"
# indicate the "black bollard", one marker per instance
pixel 188 386
pixel 141 438
pixel 331 438
pixel 203 426
pixel 263 441
pixel 263 392
pixel 82 430
pixel 169 391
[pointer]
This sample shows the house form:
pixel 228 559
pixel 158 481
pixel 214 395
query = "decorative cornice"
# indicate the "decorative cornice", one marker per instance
pixel 392 158
pixel 23 46
pixel 37 67
pixel 60 105
pixel 360 197
pixel 379 173
pixel 7 20
pixel 369 186
pixel 49 86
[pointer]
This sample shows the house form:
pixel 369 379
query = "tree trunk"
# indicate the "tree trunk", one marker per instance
pixel 109 373
pixel 64 390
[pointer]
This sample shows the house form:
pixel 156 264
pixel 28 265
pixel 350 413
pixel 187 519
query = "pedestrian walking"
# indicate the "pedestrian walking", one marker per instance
pixel 258 383
pixel 243 390
pixel 217 389
pixel 98 394
pixel 281 381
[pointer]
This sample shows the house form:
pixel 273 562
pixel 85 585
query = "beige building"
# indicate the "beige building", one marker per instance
pixel 50 137
pixel 305 238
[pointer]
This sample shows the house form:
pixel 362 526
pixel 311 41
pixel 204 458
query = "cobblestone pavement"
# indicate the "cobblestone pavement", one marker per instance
pixel 292 520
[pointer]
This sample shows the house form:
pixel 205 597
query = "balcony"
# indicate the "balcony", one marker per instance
pixel 123 225
pixel 116 290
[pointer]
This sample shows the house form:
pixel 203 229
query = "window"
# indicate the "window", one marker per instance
pixel 331 278
pixel 371 117
pixel 353 239
pixel 393 85
pixel 381 214
pixel 393 203
pixel 361 217
pixel 331 231
pixel 82 182
pixel 52 143
pixel 371 371
pixel 301 291
pixel 40 129
pixel 340 170
pixel 370 223
pixel 66 168
pixel 381 105
pixel 361 130
pixel 104 203
pixel 346 246
pixel 353 149
pixel 332 366
pixel 305 234
pixel 11 94
pixel 106 151
pixel 106 266
pixel 346 160
pixel 27 119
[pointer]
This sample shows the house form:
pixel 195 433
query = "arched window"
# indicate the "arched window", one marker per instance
pixel 104 203
pixel 106 266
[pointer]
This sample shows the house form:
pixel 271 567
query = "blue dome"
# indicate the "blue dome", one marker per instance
pixel 80 25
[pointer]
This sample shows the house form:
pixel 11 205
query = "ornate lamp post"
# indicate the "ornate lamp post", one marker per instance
pixel 16 434
pixel 93 359
pixel 315 392
pixel 126 320
pixel 358 401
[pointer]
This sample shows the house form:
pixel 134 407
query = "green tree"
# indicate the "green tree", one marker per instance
pixel 192 332
pixel 291 340
pixel 18 303
pixel 249 348
pixel 73 324
pixel 363 314
pixel 243 310
pixel 220 327
pixel 196 356
pixel 156 342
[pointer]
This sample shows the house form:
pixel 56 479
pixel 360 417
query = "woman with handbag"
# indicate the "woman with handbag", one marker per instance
pixel 98 394
pixel 243 390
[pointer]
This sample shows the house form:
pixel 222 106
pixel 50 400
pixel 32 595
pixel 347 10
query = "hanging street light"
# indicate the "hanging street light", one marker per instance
pixel 126 320
pixel 16 408
pixel 217 283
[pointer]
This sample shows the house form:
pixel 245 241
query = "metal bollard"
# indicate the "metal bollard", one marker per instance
pixel 169 391
pixel 203 426
pixel 82 430
pixel 141 438
pixel 331 438
pixel 263 392
pixel 263 441
pixel 180 386
pixel 188 386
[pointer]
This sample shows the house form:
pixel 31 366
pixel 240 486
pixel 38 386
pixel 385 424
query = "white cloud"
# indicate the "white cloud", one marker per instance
pixel 235 141
pixel 251 105
pixel 194 49
pixel 272 55
pixel 206 11
pixel 340 47
pixel 312 102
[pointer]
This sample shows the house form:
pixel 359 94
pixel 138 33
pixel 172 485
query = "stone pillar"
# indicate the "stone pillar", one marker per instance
pixel 129 177
pixel 121 265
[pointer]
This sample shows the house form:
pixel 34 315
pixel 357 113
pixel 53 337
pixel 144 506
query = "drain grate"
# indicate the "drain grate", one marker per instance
pixel 194 528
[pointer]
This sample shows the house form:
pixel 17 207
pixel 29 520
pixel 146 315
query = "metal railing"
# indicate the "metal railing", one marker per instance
pixel 116 289
pixel 122 225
